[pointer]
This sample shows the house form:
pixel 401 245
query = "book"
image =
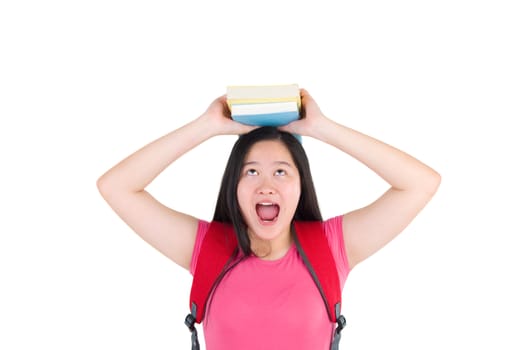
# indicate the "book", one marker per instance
pixel 264 105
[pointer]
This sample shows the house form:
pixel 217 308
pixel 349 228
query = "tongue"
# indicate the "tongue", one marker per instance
pixel 267 212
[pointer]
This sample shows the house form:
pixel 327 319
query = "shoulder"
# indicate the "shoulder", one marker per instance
pixel 335 237
pixel 333 231
pixel 333 227
pixel 203 227
pixel 215 238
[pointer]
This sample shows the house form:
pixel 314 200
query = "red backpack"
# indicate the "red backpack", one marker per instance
pixel 218 247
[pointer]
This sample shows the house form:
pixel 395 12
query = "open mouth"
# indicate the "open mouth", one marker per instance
pixel 267 212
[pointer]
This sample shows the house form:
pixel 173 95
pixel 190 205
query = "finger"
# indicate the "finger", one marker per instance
pixel 304 95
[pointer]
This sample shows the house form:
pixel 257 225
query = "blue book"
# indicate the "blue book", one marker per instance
pixel 265 114
pixel 267 119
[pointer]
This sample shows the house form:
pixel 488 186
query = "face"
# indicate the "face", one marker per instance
pixel 269 190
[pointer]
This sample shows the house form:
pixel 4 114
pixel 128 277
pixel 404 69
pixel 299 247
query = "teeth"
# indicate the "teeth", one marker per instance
pixel 267 204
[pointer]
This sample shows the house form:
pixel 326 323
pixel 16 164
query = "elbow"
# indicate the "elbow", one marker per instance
pixel 433 180
pixel 111 185
pixel 103 185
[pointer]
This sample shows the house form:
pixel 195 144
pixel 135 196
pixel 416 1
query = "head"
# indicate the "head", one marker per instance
pixel 267 180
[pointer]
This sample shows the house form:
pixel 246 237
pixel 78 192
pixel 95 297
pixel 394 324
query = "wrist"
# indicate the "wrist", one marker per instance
pixel 210 125
pixel 323 128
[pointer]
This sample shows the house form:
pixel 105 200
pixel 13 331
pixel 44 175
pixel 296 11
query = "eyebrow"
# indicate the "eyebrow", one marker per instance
pixel 278 162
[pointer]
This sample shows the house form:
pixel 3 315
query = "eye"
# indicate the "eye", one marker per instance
pixel 251 172
pixel 280 172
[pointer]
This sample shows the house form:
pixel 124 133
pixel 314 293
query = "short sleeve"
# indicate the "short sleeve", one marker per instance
pixel 203 226
pixel 335 237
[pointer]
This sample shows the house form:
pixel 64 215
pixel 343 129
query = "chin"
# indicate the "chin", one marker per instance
pixel 268 230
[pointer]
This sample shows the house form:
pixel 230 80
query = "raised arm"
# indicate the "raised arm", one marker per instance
pixel 123 186
pixel 413 183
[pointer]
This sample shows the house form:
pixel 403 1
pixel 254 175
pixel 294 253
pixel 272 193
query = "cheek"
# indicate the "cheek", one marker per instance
pixel 242 193
pixel 292 193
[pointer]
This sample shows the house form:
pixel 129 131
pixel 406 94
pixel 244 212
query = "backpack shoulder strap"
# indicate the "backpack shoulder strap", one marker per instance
pixel 313 246
pixel 217 248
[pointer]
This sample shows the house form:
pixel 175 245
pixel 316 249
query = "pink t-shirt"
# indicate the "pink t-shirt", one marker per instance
pixel 262 304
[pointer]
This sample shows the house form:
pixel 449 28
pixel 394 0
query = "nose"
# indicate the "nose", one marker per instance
pixel 266 187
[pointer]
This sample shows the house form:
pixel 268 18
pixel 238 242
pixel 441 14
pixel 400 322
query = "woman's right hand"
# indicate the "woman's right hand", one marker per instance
pixel 217 119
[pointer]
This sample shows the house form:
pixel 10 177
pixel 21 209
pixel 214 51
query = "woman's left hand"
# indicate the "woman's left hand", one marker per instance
pixel 311 117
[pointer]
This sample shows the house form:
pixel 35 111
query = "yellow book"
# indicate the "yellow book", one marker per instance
pixel 244 94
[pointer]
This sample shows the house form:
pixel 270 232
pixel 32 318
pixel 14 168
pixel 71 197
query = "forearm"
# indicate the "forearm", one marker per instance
pixel 399 169
pixel 135 172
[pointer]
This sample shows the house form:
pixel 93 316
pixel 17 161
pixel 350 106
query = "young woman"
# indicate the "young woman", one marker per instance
pixel 268 300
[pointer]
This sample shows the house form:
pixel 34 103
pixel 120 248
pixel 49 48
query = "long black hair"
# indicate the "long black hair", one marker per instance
pixel 227 206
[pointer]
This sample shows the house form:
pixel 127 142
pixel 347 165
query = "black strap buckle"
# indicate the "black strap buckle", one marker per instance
pixel 341 323
pixel 190 321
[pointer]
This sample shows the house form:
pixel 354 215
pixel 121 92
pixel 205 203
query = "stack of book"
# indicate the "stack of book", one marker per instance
pixel 264 105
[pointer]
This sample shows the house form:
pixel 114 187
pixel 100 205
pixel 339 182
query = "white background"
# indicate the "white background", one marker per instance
pixel 84 84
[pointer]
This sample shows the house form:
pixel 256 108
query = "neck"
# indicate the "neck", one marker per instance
pixel 273 249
